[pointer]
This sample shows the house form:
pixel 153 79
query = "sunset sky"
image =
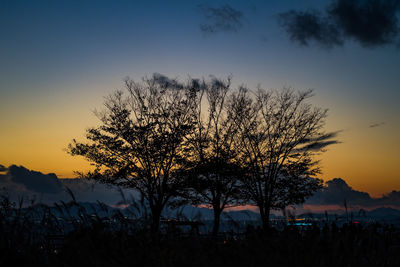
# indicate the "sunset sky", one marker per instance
pixel 58 59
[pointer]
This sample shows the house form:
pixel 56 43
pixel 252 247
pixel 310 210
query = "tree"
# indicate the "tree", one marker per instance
pixel 161 141
pixel 280 135
pixel 215 174
pixel 141 142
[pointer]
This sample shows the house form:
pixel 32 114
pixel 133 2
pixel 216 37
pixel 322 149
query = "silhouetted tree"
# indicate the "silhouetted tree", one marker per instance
pixel 280 134
pixel 141 141
pixel 215 175
pixel 168 139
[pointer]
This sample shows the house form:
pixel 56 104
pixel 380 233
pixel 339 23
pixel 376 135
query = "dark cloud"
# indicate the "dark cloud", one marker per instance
pixel 2 168
pixel 47 188
pixel 376 124
pixel 337 191
pixel 165 81
pixel 221 19
pixel 393 198
pixel 317 146
pixel 310 26
pixel 35 181
pixel 320 142
pixel 90 191
pixel 371 23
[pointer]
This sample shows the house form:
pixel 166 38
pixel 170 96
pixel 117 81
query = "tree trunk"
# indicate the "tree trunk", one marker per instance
pixel 265 213
pixel 217 216
pixel 155 216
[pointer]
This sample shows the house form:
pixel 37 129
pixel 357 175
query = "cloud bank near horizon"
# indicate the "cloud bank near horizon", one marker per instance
pixel 19 181
pixel 48 188
pixel 337 192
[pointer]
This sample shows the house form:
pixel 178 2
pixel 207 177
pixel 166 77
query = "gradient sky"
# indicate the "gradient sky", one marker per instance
pixel 58 59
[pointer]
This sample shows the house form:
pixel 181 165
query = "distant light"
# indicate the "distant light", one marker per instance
pixel 300 224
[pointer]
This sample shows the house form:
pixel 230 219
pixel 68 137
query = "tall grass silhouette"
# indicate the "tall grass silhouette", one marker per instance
pixel 92 234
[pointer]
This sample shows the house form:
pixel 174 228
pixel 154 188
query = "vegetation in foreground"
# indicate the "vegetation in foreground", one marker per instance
pixel 31 238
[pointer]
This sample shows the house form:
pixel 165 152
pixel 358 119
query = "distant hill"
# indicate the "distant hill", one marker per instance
pixel 102 210
pixel 188 212
pixel 384 213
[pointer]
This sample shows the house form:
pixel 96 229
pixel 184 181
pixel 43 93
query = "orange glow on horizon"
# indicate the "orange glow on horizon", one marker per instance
pixel 36 139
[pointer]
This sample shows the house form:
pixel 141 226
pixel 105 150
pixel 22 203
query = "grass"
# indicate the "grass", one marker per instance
pixel 39 235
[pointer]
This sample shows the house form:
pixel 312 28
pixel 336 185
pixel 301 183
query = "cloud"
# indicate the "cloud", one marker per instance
pixel 305 27
pixel 35 181
pixel 2 168
pixel 90 191
pixel 221 19
pixel 376 124
pixel 48 188
pixel 320 145
pixel 393 198
pixel 320 142
pixel 337 191
pixel 165 81
pixel 371 23
pixel 196 84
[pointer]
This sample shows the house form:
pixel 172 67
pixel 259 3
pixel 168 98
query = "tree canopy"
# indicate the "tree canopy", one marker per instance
pixel 208 144
pixel 280 135
pixel 142 139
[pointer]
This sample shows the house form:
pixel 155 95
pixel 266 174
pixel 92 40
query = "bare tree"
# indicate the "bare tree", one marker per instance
pixel 280 135
pixel 142 139
pixel 168 139
pixel 215 174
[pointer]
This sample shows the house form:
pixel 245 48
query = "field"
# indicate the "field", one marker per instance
pixel 40 237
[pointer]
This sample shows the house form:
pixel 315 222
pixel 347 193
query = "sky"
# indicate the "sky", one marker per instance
pixel 58 59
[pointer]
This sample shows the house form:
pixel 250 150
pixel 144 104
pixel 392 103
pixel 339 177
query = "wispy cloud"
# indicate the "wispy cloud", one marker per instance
pixel 371 23
pixel 376 124
pixel 165 81
pixel 221 19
